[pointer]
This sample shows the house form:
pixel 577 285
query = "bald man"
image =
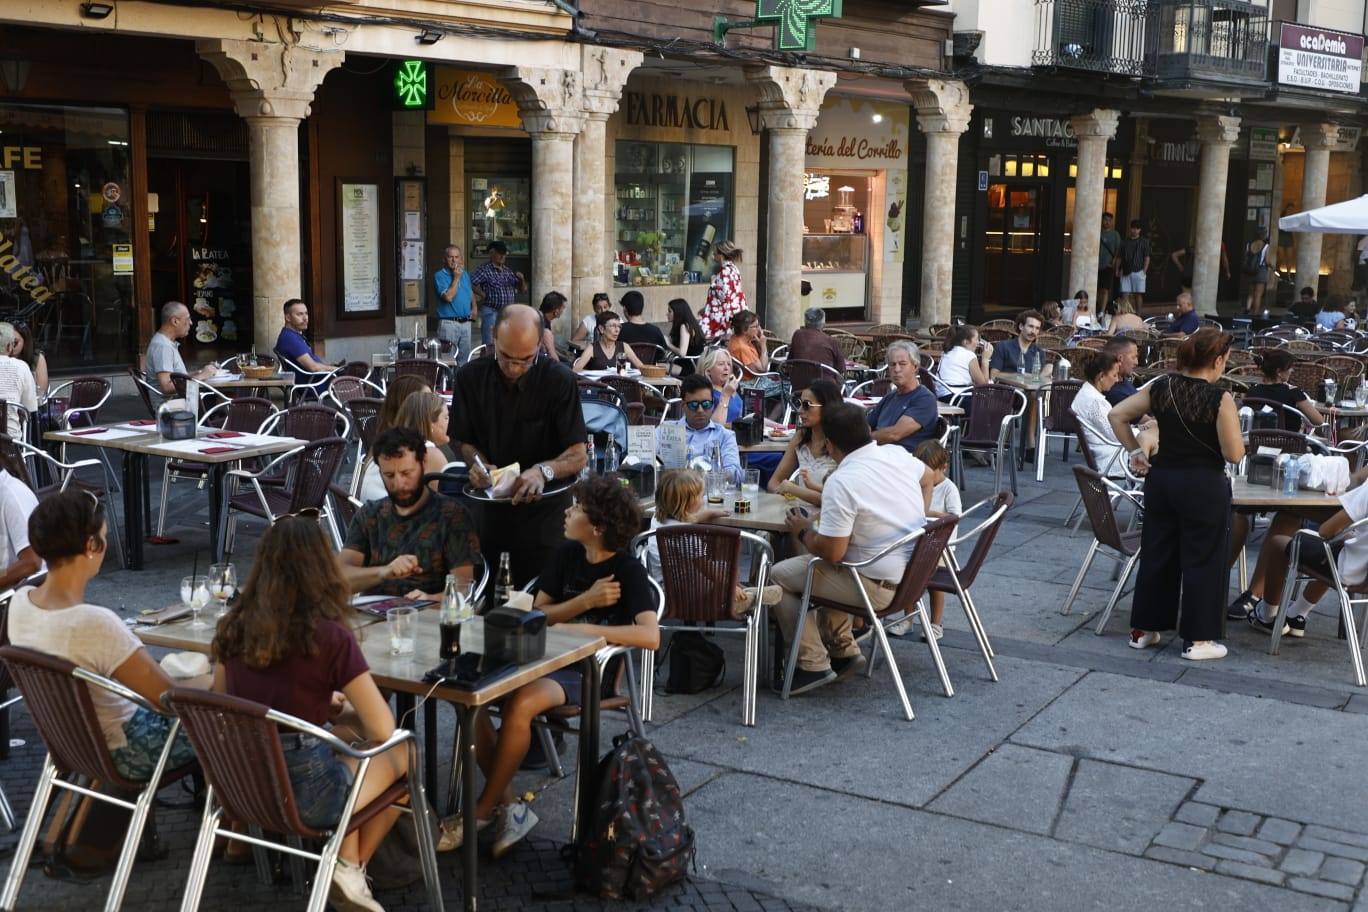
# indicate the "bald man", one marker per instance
pixel 519 407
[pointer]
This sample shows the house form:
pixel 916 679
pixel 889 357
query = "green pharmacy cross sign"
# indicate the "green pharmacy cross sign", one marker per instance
pixel 792 19
pixel 413 85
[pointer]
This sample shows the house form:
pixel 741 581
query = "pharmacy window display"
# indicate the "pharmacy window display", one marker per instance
pixel 673 203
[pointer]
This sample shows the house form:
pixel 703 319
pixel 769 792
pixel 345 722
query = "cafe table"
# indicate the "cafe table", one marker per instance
pixel 661 383
pixel 136 442
pixel 1265 497
pixel 230 381
pixel 765 515
pixel 404 676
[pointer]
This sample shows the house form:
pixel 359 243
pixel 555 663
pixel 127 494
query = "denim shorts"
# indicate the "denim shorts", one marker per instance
pixel 146 733
pixel 319 777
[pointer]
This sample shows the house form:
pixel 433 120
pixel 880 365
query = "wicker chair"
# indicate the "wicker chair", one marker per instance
pixel 1309 375
pixel 994 412
pixel 1108 538
pixel 309 422
pixel 1348 370
pixel 996 335
pixel 1283 441
pixel 1002 324
pixel 244 415
pixel 1096 343
pixel 306 473
pixel 429 370
pixel 1055 419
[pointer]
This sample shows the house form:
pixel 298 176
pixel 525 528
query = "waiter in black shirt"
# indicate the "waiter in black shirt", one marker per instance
pixel 517 407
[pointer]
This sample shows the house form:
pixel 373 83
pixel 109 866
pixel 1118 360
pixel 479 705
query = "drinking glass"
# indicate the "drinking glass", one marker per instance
pixel 222 584
pixel 194 593
pixel 465 597
pixel 400 622
pixel 394 349
pixel 750 483
pixel 717 488
pixel 1361 395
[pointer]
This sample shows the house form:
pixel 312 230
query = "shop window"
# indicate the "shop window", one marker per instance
pixel 673 204
pixel 66 267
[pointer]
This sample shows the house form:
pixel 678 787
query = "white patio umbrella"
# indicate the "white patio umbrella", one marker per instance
pixel 1348 217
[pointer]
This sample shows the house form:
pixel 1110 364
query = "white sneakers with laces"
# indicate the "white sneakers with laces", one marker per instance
pixel 514 823
pixel 350 890
pixel 1204 649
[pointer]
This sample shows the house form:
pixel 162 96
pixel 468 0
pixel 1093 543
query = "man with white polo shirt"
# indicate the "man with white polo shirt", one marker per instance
pixel 874 496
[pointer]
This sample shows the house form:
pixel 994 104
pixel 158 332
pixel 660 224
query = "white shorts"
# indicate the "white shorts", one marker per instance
pixel 1133 283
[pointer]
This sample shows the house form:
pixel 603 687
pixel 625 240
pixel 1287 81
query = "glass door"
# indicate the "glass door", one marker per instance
pixel 500 210
pixel 1013 244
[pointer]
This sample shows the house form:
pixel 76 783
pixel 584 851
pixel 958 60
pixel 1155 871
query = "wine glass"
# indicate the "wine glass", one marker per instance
pixel 222 584
pixel 194 593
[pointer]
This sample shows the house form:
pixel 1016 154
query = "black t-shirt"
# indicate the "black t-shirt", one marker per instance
pixel 637 333
pixel 530 421
pixel 569 574
pixel 1284 394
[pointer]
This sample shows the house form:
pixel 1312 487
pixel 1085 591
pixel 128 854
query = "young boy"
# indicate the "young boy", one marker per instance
pixel 945 501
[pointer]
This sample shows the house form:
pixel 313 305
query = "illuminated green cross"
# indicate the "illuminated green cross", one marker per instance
pixel 793 29
pixel 411 83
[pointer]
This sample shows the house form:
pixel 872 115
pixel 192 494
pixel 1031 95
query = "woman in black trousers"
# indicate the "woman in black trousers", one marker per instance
pixel 1186 531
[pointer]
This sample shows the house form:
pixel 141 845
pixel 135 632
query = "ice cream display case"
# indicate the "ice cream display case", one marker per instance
pixel 837 266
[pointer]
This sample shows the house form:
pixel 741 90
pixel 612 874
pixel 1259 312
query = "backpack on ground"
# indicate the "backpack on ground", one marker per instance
pixel 696 663
pixel 637 841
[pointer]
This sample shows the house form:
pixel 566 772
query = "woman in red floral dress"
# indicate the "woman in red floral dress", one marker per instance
pixel 725 296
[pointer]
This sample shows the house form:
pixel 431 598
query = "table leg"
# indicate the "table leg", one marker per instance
pixel 134 466
pixel 216 510
pixel 430 748
pixel 470 848
pixel 586 789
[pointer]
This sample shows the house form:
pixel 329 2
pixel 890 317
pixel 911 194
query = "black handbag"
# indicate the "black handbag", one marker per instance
pixel 696 663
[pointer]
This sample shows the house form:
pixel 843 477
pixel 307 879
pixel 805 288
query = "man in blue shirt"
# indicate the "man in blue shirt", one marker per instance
pixel 701 432
pixel 292 344
pixel 1187 322
pixel 454 296
pixel 908 414
pixel 495 286
pixel 1127 355
pixel 1023 355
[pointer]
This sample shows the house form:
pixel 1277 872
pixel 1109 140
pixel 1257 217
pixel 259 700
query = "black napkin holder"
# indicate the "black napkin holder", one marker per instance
pixel 514 636
pixel 1263 470
pixel 749 430
pixel 641 477
pixel 176 424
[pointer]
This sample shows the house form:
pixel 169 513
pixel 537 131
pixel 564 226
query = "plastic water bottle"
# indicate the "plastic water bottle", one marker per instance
pixel 715 457
pixel 610 457
pixel 1291 473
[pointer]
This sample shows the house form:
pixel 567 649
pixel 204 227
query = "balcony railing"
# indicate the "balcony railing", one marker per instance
pixel 1222 40
pixel 1105 36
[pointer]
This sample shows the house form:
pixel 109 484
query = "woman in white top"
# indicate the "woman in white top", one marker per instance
pixel 964 364
pixel 807 452
pixel 1083 315
pixel 1090 407
pixel 427 413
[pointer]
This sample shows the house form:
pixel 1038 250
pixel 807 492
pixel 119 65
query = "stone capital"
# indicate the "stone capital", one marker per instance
pixel 1099 123
pixel 603 73
pixel 268 80
pixel 790 97
pixel 1318 137
pixel 549 100
pixel 1218 130
pixel 942 105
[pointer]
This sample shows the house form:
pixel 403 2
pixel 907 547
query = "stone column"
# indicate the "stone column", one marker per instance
pixel 943 111
pixel 604 71
pixel 1216 134
pixel 549 102
pixel 1316 140
pixel 1094 131
pixel 790 100
pixel 272 86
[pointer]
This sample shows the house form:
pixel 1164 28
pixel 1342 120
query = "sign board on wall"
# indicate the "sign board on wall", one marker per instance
pixel 1263 143
pixel 858 133
pixel 359 243
pixel 472 98
pixel 1323 59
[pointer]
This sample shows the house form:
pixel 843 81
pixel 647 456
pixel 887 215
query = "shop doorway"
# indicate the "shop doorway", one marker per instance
pixel 1014 243
pixel 201 251
pixel 498 198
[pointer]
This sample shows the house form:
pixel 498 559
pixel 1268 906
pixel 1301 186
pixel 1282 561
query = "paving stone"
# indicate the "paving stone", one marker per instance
pixel 1122 808
pixel 1216 850
pixel 1179 857
pixel 1262 846
pixel 1322 888
pixel 1240 823
pixel 1341 870
pixel 1333 848
pixel 1300 861
pixel 1018 787
pixel 1197 814
pixel 1283 832
pixel 1180 836
pixel 1249 872
pixel 1353 839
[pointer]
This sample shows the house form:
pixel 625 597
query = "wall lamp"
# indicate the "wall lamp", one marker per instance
pixel 96 10
pixel 428 36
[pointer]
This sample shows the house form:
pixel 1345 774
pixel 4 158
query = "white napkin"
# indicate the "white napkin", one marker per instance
pixel 181 666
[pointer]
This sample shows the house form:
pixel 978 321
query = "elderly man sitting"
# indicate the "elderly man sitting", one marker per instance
pixel 907 415
pixel 810 343
pixel 874 496
pixel 701 432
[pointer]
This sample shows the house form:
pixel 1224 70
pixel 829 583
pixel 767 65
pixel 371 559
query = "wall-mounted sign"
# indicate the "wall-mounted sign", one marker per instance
pixel 359 240
pixel 123 259
pixel 411 87
pixel 1322 59
pixel 1263 143
pixel 678 111
pixel 30 158
pixel 1055 131
pixel 472 98
pixel 858 133
pixel 1346 138
pixel 794 29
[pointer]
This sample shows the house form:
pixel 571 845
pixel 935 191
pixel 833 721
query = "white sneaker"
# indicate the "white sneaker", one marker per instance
pixel 349 891
pixel 937 631
pixel 515 822
pixel 1204 649
pixel 900 628
pixel 1140 639
pixel 452 835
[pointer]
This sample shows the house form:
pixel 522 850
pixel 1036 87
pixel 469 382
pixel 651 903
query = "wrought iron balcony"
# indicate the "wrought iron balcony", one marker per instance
pixel 1106 36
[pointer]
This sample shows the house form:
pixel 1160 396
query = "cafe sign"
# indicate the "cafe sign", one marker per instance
pixel 858 133
pixel 472 98
pixel 1315 58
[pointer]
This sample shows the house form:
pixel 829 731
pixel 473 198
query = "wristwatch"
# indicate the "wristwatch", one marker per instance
pixel 547 472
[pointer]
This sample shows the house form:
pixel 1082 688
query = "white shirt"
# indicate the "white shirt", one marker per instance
pixel 945 498
pixel 1353 557
pixel 818 467
pixel 953 371
pixel 875 498
pixel 17 503
pixel 17 387
pixel 590 322
pixel 90 636
pixel 1090 407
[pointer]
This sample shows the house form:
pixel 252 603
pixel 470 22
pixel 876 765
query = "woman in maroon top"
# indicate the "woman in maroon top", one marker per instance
pixel 286 644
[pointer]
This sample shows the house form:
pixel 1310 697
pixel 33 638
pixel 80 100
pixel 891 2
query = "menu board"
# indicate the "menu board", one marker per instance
pixel 359 240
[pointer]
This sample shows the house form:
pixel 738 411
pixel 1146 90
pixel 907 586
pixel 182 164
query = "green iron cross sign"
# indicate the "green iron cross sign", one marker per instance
pixel 792 19
pixel 412 85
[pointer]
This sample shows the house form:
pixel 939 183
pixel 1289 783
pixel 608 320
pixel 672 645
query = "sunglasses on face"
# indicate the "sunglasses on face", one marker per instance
pixel 700 405
pixel 804 405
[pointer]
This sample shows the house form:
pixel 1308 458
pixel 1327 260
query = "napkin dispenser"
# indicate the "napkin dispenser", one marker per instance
pixel 176 423
pixel 1263 470
pixel 640 477
pixel 749 430
pixel 514 636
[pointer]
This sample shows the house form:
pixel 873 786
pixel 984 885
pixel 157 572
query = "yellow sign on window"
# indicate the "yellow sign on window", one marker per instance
pixel 123 259
pixel 472 98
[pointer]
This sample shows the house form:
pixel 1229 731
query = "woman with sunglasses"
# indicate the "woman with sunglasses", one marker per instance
pixel 607 350
pixel 807 451
pixel 68 531
pixel 286 644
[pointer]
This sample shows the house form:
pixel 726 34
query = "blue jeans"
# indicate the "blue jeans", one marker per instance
pixel 319 778
pixel 487 317
pixel 458 334
pixel 146 734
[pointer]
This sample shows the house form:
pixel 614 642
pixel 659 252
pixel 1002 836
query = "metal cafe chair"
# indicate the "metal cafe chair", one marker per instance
pixel 1108 538
pixel 928 545
pixel 244 415
pixel 307 472
pixel 1350 596
pixel 1055 419
pixel 238 743
pixel 954 578
pixel 57 693
pixel 994 410
pixel 300 389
